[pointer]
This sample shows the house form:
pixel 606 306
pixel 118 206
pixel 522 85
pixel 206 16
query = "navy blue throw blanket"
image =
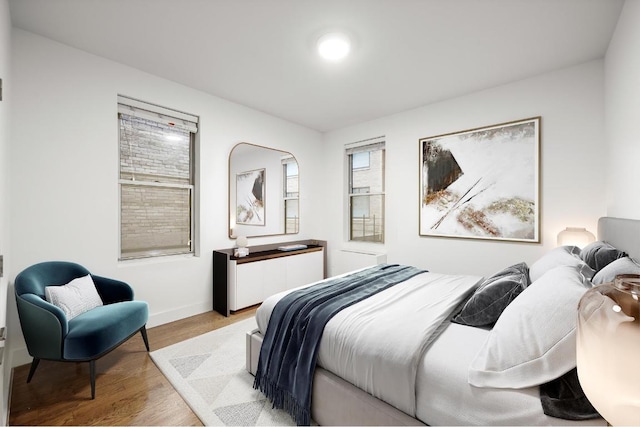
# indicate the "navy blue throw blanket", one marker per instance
pixel 290 346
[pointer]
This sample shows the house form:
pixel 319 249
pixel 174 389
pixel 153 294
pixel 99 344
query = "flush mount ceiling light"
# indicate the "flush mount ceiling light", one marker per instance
pixel 334 46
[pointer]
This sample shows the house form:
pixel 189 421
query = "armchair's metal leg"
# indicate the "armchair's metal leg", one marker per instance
pixel 92 373
pixel 143 331
pixel 32 370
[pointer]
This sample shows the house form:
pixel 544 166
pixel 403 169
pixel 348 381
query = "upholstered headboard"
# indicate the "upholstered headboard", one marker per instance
pixel 622 233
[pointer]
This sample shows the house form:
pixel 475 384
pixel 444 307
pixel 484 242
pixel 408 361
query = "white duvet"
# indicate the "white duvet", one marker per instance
pixel 378 343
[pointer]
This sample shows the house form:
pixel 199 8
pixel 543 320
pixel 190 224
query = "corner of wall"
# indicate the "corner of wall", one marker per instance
pixel 5 61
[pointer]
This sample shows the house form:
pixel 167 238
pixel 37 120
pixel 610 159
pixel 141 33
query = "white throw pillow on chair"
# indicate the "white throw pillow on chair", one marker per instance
pixel 76 297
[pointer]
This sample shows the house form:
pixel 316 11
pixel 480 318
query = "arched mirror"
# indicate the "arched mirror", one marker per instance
pixel 263 191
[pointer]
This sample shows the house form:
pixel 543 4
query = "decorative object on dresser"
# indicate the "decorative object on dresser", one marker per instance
pixel 240 282
pixel 287 248
pixel 241 247
pixel 482 183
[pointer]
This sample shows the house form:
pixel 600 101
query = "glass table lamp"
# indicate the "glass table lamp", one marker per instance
pixel 241 246
pixel 608 349
pixel 577 236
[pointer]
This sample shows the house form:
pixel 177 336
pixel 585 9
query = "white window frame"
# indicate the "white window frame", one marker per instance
pixel 173 118
pixel 285 195
pixel 368 145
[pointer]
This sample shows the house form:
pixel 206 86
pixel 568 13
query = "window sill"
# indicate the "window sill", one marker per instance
pixel 155 259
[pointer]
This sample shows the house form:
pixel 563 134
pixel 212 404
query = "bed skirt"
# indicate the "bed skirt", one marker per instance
pixel 335 401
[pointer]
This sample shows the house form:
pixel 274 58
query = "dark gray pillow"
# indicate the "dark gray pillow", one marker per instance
pixel 599 254
pixel 490 299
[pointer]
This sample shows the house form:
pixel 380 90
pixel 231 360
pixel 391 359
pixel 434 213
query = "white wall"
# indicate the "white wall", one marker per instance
pixel 622 106
pixel 5 75
pixel 64 169
pixel 570 102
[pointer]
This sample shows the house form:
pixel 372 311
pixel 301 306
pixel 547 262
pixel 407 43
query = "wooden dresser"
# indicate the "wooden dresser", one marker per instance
pixel 240 282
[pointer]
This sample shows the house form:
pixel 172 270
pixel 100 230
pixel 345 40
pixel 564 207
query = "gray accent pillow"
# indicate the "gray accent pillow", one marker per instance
pixel 489 300
pixel 599 254
pixel 623 265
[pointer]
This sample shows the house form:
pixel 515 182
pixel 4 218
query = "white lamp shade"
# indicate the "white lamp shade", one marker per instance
pixel 242 241
pixel 576 236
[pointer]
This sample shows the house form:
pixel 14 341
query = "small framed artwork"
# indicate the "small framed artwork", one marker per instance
pixel 482 183
pixel 250 197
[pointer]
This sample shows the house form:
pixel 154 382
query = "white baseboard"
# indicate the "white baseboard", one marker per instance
pixel 19 356
pixel 157 319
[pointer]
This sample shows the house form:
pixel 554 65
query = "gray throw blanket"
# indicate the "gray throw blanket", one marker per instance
pixel 290 346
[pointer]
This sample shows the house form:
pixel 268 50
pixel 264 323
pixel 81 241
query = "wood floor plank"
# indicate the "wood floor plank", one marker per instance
pixel 130 389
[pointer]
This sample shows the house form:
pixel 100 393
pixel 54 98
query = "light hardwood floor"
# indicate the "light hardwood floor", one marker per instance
pixel 130 390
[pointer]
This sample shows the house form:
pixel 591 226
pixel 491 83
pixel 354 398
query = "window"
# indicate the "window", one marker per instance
pixel 361 160
pixel 156 180
pixel 360 205
pixel 292 222
pixel 366 190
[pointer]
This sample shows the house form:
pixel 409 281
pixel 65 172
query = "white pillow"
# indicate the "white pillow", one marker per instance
pixel 623 265
pixel 560 256
pixel 74 298
pixel 533 341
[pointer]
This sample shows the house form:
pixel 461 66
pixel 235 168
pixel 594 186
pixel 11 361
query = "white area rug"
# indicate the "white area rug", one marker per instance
pixel 209 373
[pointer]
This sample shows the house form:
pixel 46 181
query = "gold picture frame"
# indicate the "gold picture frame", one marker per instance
pixel 482 183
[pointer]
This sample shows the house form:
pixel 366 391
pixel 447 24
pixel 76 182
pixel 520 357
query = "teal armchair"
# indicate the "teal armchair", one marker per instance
pixel 86 337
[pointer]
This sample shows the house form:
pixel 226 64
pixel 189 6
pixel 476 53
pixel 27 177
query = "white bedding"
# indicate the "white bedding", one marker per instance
pixel 442 394
pixel 444 397
pixel 389 331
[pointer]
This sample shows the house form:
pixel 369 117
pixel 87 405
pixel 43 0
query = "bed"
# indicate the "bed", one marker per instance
pixel 454 354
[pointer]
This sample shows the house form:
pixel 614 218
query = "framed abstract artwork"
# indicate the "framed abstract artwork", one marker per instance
pixel 482 183
pixel 250 197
